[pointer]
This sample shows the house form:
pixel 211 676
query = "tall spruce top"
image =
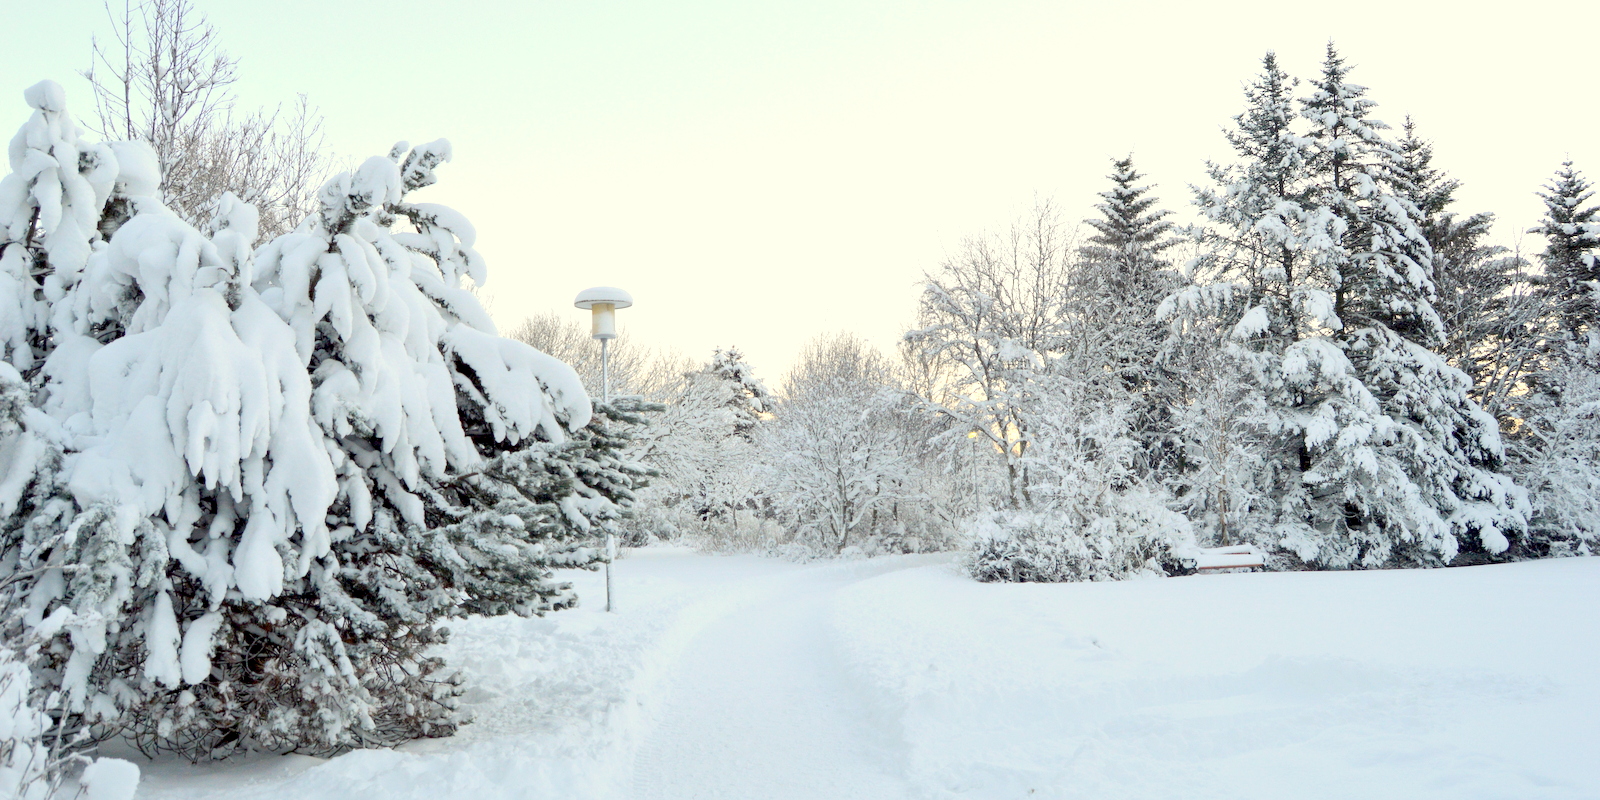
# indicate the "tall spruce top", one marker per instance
pixel 1130 232
pixel 1571 266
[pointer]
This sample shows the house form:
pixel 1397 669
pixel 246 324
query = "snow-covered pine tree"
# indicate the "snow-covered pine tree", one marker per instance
pixel 749 398
pixel 1382 457
pixel 1121 277
pixel 1449 494
pixel 1571 257
pixel 1481 295
pixel 1124 275
pixel 1557 444
pixel 1254 294
pixel 720 482
pixel 269 485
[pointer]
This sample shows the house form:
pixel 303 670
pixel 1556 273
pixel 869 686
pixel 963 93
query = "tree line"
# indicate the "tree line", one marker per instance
pixel 1334 365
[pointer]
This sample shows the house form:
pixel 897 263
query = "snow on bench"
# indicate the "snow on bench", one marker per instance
pixel 1235 557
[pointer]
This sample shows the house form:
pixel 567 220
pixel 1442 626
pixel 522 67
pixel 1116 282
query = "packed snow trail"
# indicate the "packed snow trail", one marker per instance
pixel 562 703
pixel 900 677
pixel 760 707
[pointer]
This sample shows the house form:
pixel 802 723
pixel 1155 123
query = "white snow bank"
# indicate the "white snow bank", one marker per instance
pixel 1460 683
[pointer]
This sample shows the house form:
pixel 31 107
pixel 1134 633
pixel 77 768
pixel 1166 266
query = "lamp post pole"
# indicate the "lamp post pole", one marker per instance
pixel 605 371
pixel 602 302
pixel 605 398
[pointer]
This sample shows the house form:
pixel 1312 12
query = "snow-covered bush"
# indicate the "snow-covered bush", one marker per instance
pixel 836 466
pixel 256 482
pixel 1088 515
pixel 1129 536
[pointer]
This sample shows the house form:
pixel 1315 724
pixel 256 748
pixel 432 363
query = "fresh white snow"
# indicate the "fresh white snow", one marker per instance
pixel 743 677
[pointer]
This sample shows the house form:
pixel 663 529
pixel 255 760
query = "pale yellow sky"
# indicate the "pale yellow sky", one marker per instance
pixel 759 173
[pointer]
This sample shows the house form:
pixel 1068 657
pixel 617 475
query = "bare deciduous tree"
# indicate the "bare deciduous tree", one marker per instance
pixel 165 79
pixel 983 319
pixel 658 376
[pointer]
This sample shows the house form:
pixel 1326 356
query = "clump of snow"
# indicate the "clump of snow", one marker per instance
pixel 138 169
pixel 110 779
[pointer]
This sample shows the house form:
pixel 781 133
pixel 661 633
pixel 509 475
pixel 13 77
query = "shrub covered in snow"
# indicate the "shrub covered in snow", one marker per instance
pixel 1131 536
pixel 1088 514
pixel 835 462
pixel 256 482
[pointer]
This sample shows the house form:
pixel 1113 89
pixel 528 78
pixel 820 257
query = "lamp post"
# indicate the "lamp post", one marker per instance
pixel 602 303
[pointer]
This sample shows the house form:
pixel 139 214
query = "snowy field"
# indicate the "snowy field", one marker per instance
pixel 742 677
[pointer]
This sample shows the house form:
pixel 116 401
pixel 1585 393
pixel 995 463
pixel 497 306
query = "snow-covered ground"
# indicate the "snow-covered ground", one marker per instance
pixel 751 678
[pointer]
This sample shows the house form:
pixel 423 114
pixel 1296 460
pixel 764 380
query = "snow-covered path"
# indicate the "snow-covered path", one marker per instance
pixel 900 678
pixel 760 707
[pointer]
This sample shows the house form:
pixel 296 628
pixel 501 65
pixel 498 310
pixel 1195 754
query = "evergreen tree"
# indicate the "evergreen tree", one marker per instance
pixel 1557 444
pixel 748 398
pixel 1380 456
pixel 1571 280
pixel 1479 297
pixel 1129 241
pixel 255 483
pixel 1121 278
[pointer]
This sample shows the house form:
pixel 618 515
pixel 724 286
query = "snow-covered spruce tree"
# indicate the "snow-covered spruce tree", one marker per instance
pixel 1124 275
pixel 1571 258
pixel 1088 512
pixel 1488 315
pixel 1451 495
pixel 721 482
pixel 1250 266
pixel 749 398
pixel 1111 297
pixel 1556 446
pixel 273 483
pixel 51 211
pixel 1381 456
